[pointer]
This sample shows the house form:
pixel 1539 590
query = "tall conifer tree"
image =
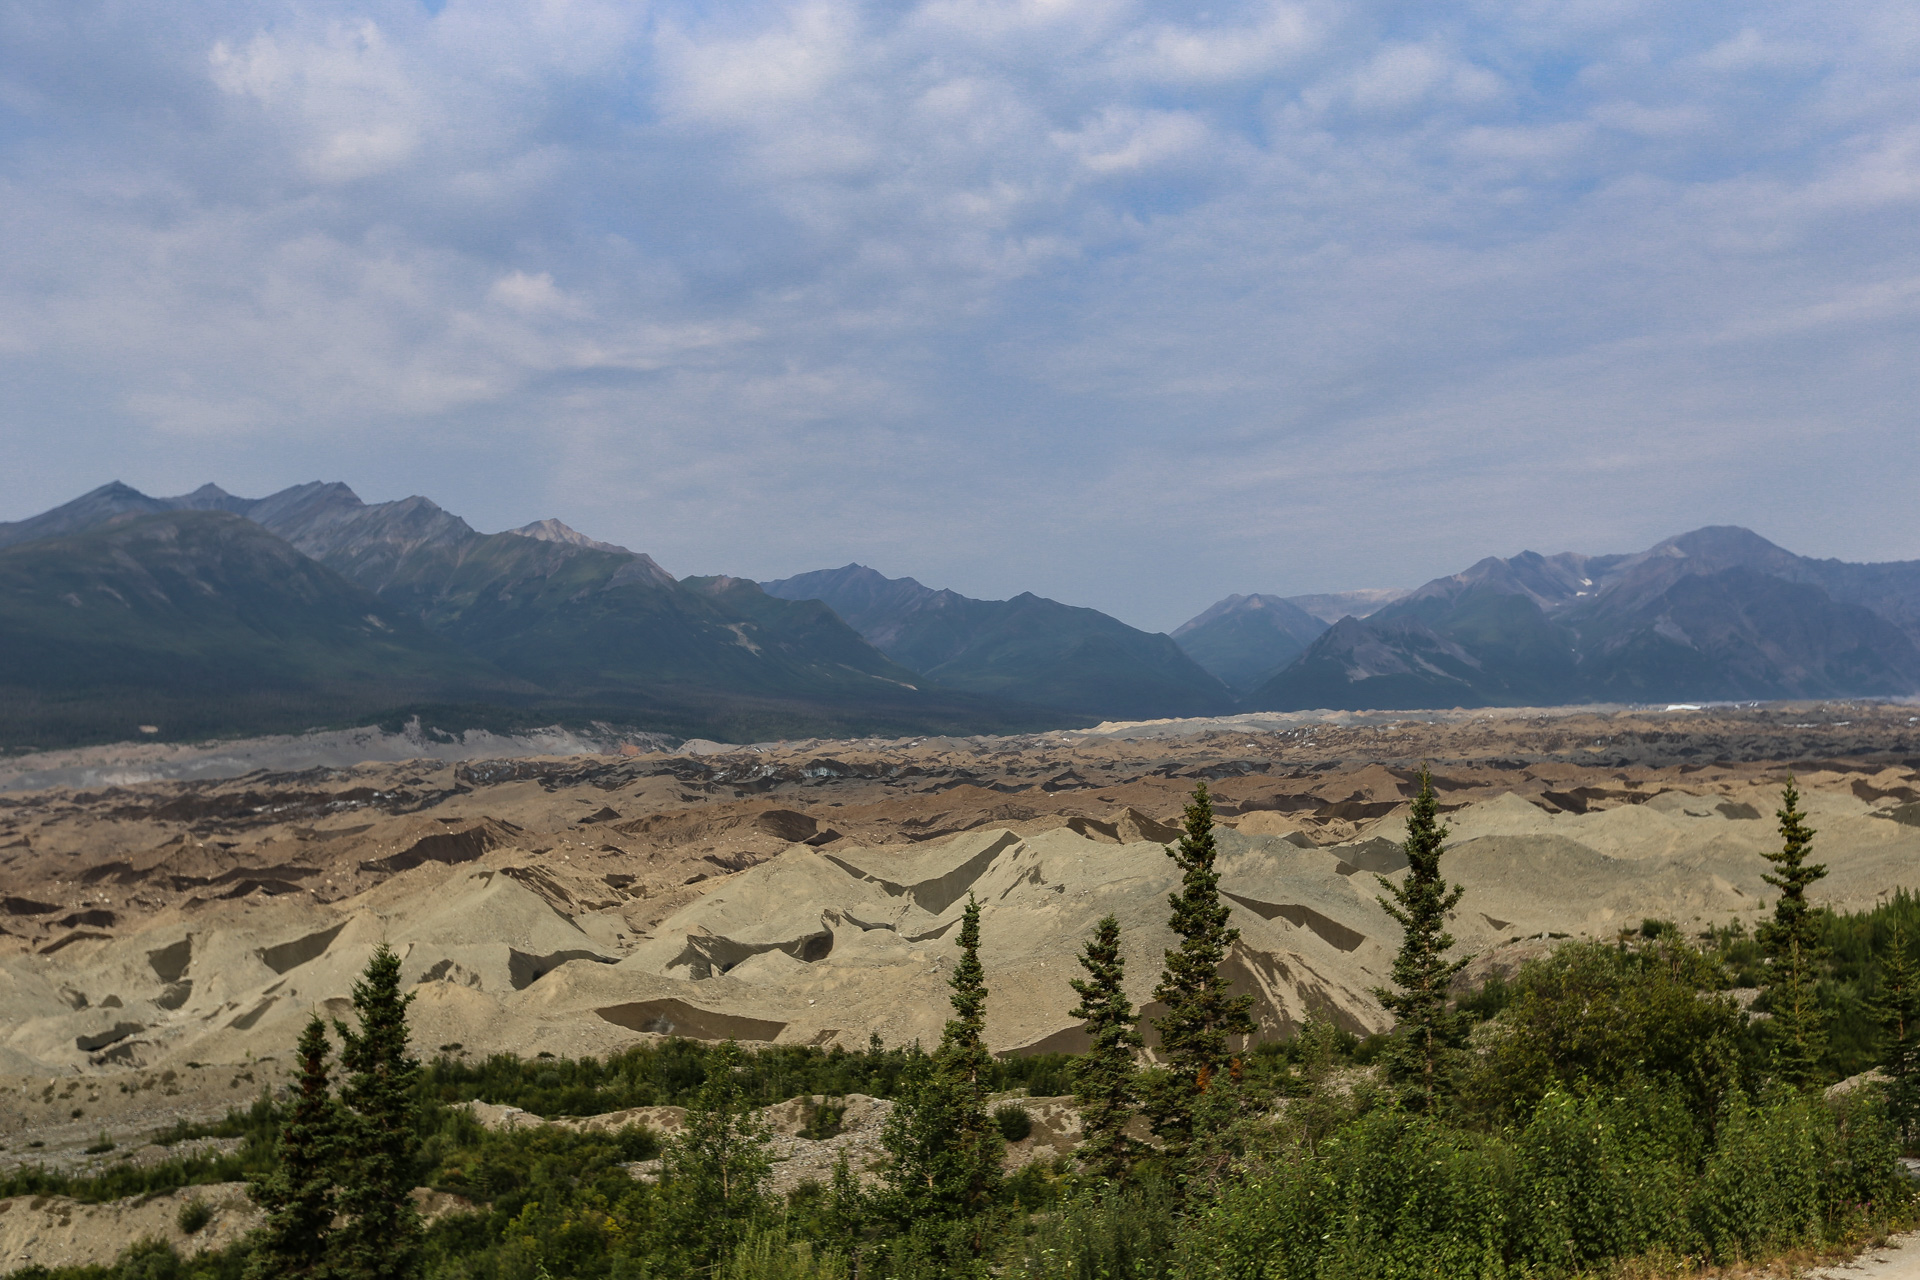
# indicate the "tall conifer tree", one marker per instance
pixel 1105 1077
pixel 1427 1028
pixel 299 1195
pixel 380 1237
pixel 1791 941
pixel 1898 1008
pixel 1201 1016
pixel 944 1147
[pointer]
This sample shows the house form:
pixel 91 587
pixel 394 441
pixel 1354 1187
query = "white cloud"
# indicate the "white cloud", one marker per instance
pixel 1178 53
pixel 533 295
pixel 1121 141
pixel 1404 75
pixel 345 94
pixel 749 79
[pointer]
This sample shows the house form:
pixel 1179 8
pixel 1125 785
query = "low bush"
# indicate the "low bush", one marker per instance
pixel 1586 1183
pixel 193 1215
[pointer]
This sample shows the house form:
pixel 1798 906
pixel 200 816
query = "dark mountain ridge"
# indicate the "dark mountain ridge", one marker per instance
pixel 199 621
pixel 1716 614
pixel 543 624
pixel 1028 649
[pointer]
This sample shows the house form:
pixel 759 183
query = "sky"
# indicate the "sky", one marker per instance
pixel 1129 304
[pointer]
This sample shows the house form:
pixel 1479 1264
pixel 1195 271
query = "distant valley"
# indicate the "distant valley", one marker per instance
pixel 209 615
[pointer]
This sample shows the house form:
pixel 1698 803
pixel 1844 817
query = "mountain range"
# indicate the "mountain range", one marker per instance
pixel 209 614
pixel 1029 649
pixel 1717 614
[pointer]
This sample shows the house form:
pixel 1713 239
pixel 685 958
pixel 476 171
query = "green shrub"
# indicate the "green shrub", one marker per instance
pixel 1589 1181
pixel 823 1120
pixel 1015 1122
pixel 149 1260
pixel 1106 1234
pixel 1602 1180
pixel 772 1255
pixel 1593 1016
pixel 1865 1179
pixel 1760 1187
pixel 193 1215
pixel 1391 1196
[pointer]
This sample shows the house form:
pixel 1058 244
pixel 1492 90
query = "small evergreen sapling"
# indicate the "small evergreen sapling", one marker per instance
pixel 299 1195
pixel 1791 941
pixel 1201 1016
pixel 380 1237
pixel 1105 1077
pixel 1428 1029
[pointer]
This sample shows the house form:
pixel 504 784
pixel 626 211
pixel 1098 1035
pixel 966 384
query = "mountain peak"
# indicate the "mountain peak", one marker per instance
pixel 1725 543
pixel 1244 640
pixel 211 497
pixel 109 502
pixel 851 590
pixel 554 531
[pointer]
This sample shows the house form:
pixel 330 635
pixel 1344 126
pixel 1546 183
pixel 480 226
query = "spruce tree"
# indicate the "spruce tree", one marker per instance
pixel 298 1195
pixel 717 1165
pixel 943 1146
pixel 1427 1029
pixel 1791 941
pixel 1105 1078
pixel 845 1217
pixel 1897 1006
pixel 380 1237
pixel 1201 1016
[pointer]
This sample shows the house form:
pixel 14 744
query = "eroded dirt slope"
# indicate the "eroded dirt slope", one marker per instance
pixel 163 942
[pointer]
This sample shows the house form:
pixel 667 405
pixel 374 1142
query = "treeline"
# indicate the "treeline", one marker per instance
pixel 1612 1104
pixel 670 1074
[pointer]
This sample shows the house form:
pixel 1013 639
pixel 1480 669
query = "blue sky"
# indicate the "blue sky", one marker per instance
pixel 1130 304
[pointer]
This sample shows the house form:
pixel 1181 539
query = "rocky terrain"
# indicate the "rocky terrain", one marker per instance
pixel 164 941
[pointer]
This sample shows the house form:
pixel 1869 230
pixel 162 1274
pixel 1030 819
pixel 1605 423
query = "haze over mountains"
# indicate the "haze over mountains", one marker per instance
pixel 209 614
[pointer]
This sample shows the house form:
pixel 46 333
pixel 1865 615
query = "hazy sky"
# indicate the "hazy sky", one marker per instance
pixel 1130 304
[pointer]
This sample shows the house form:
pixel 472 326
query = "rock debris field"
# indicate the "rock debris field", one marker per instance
pixel 162 942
